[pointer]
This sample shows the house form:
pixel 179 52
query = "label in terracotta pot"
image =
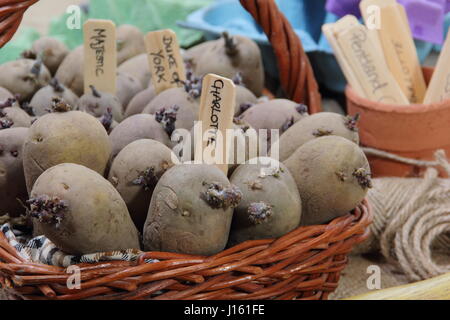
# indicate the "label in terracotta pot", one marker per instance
pixel 370 69
pixel 100 55
pixel 439 88
pixel 371 13
pixel 217 105
pixel 400 53
pixel 330 30
pixel 166 63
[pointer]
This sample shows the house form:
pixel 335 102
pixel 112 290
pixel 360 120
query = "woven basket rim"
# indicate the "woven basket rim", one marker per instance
pixel 304 251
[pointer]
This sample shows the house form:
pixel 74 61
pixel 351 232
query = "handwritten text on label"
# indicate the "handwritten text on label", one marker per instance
pixel 98 44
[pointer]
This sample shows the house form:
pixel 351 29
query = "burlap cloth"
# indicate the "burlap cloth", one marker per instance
pixel 410 238
pixel 354 277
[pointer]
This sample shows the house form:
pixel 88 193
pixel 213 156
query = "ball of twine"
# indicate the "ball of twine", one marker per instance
pixel 412 217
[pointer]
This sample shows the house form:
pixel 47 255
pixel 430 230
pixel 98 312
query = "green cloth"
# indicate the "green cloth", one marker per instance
pixel 147 15
pixel 21 42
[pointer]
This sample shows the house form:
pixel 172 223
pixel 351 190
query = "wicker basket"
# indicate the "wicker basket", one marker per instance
pixel 11 13
pixel 304 264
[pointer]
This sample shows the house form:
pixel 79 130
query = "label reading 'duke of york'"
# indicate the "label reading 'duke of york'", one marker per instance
pixel 166 64
pixel 216 117
pixel 100 55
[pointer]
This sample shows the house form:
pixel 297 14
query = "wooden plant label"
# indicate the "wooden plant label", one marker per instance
pixel 100 55
pixel 166 63
pixel 371 13
pixel 400 53
pixel 329 30
pixel 370 69
pixel 344 23
pixel 217 104
pixel 439 88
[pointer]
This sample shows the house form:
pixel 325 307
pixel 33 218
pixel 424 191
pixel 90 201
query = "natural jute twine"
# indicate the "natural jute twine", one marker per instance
pixel 412 216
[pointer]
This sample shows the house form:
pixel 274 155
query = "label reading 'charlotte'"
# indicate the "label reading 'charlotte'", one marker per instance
pixel 100 55
pixel 216 117
pixel 166 63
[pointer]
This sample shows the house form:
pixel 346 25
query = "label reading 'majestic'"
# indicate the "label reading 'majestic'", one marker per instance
pixel 100 55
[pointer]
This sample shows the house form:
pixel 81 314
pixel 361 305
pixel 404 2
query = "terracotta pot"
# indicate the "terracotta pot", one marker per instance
pixel 415 131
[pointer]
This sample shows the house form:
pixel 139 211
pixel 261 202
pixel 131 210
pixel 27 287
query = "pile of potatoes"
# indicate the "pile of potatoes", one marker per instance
pixel 96 172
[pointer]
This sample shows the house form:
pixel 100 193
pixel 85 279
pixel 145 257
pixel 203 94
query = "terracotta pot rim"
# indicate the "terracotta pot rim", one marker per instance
pixel 390 108
pixel 398 109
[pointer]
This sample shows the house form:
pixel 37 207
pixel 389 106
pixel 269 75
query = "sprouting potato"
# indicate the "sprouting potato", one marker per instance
pixel 42 100
pixel 244 100
pixel 81 212
pixel 65 136
pixel 97 103
pixel 130 42
pixel 274 114
pixel 24 77
pixel 175 97
pixel 135 172
pixel 140 101
pixel 191 211
pixel 228 56
pixel 127 88
pixel 12 116
pixel 332 175
pixel 50 50
pixel 139 68
pixel 139 126
pixel 317 125
pixel 270 206
pixel 12 179
pixel 71 72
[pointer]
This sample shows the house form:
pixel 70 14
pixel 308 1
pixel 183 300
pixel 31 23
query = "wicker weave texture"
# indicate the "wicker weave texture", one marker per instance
pixel 11 13
pixel 304 264
pixel 296 73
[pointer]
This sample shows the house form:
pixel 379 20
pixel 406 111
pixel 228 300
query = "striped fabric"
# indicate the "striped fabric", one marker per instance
pixel 42 250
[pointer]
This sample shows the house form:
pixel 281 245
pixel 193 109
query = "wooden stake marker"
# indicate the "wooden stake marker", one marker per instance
pixel 439 88
pixel 394 36
pixel 370 69
pixel 330 30
pixel 400 53
pixel 217 104
pixel 365 4
pixel 166 63
pixel 369 17
pixel 100 55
